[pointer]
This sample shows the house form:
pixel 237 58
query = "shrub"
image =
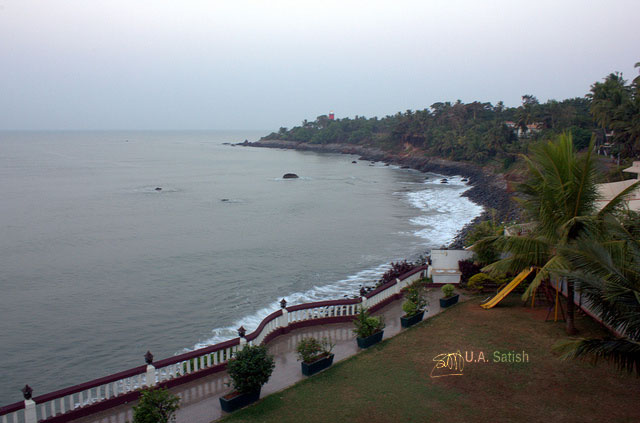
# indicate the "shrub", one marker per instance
pixel 397 269
pixel 156 406
pixel 310 349
pixel 250 368
pixel 467 269
pixel 447 290
pixel 478 281
pixel 367 325
pixel 416 300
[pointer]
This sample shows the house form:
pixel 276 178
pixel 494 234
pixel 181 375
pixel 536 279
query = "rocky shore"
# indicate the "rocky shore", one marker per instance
pixel 488 189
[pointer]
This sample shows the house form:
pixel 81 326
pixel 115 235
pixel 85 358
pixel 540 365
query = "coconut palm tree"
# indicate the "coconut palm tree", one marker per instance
pixel 558 199
pixel 608 275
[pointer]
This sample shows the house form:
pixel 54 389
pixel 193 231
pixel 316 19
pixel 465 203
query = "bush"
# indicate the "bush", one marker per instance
pixel 156 406
pixel 416 300
pixel 447 290
pixel 366 325
pixel 478 282
pixel 467 269
pixel 310 349
pixel 250 368
pixel 397 269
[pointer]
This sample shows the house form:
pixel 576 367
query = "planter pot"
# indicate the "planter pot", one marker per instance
pixel 370 340
pixel 446 302
pixel 410 321
pixel 314 367
pixel 239 401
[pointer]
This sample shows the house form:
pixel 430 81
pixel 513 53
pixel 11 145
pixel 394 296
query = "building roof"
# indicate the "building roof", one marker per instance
pixel 609 191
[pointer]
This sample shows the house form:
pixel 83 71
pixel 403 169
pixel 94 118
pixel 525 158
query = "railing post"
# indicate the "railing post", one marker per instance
pixel 30 413
pixel 151 370
pixel 396 289
pixel 285 314
pixel 243 341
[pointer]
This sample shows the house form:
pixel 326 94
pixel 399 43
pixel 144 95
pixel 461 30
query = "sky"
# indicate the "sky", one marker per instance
pixel 242 64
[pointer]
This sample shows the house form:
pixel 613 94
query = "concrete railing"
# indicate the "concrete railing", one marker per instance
pixel 119 388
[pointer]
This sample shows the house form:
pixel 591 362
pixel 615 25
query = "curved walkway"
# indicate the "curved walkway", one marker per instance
pixel 199 399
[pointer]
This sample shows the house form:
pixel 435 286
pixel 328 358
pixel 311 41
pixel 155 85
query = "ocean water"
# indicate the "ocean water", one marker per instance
pixel 97 266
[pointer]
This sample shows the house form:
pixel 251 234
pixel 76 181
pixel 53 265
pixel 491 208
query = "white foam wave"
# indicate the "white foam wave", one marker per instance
pixel 446 211
pixel 349 286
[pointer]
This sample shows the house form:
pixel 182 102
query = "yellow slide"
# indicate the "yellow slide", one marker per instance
pixel 507 289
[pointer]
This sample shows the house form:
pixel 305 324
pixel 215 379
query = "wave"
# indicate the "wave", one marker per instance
pixel 347 287
pixel 444 213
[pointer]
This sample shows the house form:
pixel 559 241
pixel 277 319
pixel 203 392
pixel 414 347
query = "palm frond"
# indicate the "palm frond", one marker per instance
pixel 623 353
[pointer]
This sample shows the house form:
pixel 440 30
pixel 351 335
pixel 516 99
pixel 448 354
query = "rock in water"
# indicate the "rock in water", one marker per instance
pixel 354 161
pixel 158 189
pixel 290 176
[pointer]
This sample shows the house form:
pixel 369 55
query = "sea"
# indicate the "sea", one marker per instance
pixel 113 243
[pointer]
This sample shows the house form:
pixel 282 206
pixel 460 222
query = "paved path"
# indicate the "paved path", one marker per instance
pixel 199 399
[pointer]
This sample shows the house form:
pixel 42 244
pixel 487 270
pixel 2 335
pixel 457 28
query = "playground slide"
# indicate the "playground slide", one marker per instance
pixel 507 289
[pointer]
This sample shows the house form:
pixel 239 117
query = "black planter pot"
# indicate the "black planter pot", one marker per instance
pixel 309 369
pixel 410 321
pixel 239 401
pixel 370 340
pixel 446 302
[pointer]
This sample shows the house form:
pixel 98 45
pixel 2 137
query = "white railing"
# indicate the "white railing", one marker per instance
pixel 109 391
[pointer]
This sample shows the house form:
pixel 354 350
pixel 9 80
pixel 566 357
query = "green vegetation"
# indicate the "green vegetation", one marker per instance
pixel 476 132
pixel 447 290
pixel 391 381
pixel 615 106
pixel 416 300
pixel 607 275
pixel 479 281
pixel 367 325
pixel 310 349
pixel 485 253
pixel 485 133
pixel 156 405
pixel 559 203
pixel 250 368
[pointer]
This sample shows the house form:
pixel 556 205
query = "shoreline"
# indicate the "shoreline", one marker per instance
pixel 487 189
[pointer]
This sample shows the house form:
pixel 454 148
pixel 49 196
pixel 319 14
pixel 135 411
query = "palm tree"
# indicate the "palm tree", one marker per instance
pixel 559 202
pixel 608 275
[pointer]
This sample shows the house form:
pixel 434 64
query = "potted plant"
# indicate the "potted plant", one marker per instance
pixel 249 369
pixel 369 329
pixel 314 355
pixel 449 299
pixel 414 307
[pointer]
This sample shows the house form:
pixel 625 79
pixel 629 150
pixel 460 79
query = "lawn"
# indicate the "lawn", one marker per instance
pixel 392 382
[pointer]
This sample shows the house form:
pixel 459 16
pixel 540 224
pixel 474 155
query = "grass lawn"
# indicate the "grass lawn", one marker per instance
pixel 391 382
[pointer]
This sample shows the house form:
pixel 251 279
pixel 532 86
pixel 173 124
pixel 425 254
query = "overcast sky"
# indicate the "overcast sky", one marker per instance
pixel 134 64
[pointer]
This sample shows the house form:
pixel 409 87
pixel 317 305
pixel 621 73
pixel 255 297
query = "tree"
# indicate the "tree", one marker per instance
pixel 156 405
pixel 607 275
pixel 559 203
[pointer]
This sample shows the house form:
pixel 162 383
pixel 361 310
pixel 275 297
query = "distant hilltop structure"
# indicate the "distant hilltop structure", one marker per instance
pixel 526 130
pixel 332 116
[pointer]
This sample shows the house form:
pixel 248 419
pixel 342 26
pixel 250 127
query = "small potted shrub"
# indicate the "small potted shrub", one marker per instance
pixel 314 355
pixel 156 405
pixel 249 369
pixel 414 307
pixel 369 329
pixel 449 299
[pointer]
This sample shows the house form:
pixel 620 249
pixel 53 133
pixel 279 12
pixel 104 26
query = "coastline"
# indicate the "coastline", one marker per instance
pixel 487 189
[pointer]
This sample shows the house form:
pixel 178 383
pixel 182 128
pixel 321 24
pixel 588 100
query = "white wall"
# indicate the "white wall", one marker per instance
pixel 448 259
